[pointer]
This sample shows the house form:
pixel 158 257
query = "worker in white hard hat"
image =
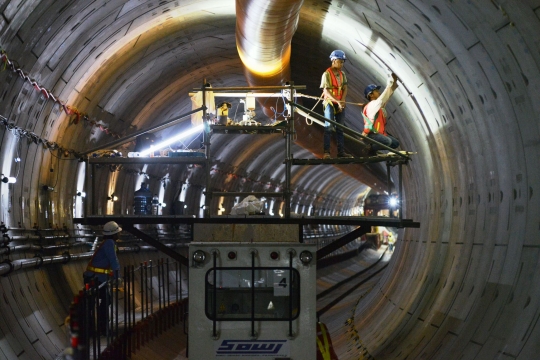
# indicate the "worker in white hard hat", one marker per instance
pixel 334 85
pixel 102 267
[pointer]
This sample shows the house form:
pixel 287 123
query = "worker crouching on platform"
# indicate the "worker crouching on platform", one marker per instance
pixel 374 115
pixel 104 266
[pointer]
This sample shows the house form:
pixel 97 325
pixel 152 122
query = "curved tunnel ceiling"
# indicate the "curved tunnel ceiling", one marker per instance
pixel 463 284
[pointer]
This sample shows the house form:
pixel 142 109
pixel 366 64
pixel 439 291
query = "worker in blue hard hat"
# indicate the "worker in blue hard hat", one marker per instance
pixel 374 115
pixel 334 85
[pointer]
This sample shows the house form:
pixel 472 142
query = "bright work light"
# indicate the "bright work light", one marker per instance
pixel 172 140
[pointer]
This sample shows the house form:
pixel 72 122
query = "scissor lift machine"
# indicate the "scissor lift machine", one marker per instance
pixel 252 291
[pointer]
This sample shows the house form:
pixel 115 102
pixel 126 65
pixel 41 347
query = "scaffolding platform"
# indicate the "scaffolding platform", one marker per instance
pixel 239 129
pixel 248 219
pixel 285 128
pixel 354 160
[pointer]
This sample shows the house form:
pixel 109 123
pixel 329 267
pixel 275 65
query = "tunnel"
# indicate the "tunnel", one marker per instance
pixel 79 74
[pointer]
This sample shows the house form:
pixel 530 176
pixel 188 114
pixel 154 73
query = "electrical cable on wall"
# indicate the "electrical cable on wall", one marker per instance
pixel 47 94
pixel 33 137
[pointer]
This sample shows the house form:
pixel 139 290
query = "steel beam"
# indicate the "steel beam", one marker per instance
pixel 158 245
pixel 130 137
pixel 252 219
pixel 344 240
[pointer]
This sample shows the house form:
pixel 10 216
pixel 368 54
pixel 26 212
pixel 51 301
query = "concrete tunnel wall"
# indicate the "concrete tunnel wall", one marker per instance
pixel 462 286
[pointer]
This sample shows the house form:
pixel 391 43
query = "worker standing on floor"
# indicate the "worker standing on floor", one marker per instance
pixel 374 115
pixel 334 85
pixel 102 267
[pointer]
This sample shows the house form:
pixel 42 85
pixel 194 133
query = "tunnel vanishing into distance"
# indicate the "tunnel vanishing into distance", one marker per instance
pixel 77 74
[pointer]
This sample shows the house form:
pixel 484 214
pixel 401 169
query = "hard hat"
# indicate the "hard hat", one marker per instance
pixel 338 54
pixel 111 228
pixel 370 88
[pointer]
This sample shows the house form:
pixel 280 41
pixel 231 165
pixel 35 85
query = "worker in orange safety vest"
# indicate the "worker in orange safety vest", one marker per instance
pixel 325 350
pixel 375 117
pixel 334 85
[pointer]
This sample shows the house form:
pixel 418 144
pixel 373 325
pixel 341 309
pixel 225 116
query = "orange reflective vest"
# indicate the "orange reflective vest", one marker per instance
pixel 377 125
pixel 324 344
pixel 337 85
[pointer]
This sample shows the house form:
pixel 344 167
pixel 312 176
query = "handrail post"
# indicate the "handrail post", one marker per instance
pixel 290 335
pixel 128 311
pixel 116 306
pixel 132 276
pixel 206 142
pixel 87 318
pixel 214 295
pixel 97 338
pixel 142 290
pixel 163 322
pixel 400 191
pixel 159 283
pixel 126 319
pixel 109 312
pixel 178 303
pixel 253 336
pixel 388 180
pixel 176 280
pixel 288 155
pixel 93 199
pixel 168 285
pixel 145 282
pixel 88 202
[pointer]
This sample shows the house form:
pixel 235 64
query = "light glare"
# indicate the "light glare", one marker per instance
pixel 172 140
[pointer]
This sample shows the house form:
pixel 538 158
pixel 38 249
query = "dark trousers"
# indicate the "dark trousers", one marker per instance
pixel 98 304
pixel 340 119
pixel 387 140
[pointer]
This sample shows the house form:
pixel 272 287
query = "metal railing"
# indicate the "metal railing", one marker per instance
pixel 114 319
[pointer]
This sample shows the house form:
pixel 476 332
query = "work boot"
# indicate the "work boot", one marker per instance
pixel 404 152
pixel 389 153
pixel 327 155
pixel 368 151
pixel 344 155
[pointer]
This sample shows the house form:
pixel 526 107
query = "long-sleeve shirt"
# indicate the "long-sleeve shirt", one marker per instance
pixel 104 258
pixel 371 110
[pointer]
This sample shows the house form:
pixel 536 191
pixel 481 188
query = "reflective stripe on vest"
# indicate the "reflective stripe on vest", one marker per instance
pixel 370 123
pixel 325 350
pixel 337 88
pixel 99 270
